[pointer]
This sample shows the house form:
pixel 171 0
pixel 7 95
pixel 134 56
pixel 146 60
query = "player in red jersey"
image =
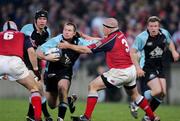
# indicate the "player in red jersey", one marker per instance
pixel 122 72
pixel 12 45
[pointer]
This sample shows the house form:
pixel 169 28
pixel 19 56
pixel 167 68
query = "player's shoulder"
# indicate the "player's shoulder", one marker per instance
pixel 27 26
pixel 143 35
pixel 58 37
pixel 164 31
pixel 27 29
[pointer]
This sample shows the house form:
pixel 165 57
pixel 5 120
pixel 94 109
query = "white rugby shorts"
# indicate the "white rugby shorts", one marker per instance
pixel 13 66
pixel 121 77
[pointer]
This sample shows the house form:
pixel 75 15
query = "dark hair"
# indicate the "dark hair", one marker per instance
pixel 41 13
pixel 153 19
pixel 71 24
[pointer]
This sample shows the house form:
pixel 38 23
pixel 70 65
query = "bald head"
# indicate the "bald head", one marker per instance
pixel 9 25
pixel 111 23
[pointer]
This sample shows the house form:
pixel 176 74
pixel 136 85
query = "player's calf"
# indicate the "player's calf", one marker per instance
pixel 71 100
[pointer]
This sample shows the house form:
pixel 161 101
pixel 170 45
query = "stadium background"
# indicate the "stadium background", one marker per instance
pixel 88 15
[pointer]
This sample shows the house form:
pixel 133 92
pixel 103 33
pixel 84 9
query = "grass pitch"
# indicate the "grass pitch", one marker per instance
pixel 16 109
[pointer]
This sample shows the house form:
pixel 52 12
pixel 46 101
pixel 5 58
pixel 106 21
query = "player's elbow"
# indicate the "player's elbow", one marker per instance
pixel 86 50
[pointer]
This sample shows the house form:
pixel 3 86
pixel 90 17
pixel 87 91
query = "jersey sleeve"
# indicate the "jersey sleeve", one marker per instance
pixel 27 29
pixel 51 43
pixel 103 45
pixel 167 35
pixel 85 42
pixel 140 41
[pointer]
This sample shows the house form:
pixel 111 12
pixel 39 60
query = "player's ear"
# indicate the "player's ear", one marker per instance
pixel 74 34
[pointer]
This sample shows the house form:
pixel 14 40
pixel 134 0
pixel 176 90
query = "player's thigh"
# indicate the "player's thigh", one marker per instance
pixel 3 64
pixel 29 83
pixel 155 85
pixel 17 68
pixel 97 84
pixel 64 84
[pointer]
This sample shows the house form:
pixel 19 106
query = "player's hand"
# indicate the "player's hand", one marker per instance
pixel 140 72
pixel 64 45
pixel 37 73
pixel 51 57
pixel 175 55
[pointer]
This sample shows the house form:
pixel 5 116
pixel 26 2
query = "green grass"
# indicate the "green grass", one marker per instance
pixel 16 109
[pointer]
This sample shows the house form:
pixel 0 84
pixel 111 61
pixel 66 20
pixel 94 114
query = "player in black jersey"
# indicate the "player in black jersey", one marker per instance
pixel 58 75
pixel 152 44
pixel 39 33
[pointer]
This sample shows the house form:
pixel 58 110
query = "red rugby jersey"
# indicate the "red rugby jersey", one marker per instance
pixel 116 50
pixel 11 43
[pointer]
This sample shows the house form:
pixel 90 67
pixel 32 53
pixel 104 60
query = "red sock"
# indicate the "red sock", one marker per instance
pixel 91 102
pixel 145 106
pixel 36 102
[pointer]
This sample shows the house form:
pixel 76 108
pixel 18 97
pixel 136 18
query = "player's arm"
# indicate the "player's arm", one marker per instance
pixel 33 58
pixel 136 47
pixel 50 57
pixel 77 48
pixel 171 46
pixel 52 43
pixel 135 57
pixel 31 52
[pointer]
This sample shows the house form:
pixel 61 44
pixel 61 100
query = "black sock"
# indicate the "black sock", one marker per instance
pixel 154 104
pixel 44 110
pixel 62 109
pixel 30 111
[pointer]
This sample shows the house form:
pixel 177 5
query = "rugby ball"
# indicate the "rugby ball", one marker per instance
pixel 55 51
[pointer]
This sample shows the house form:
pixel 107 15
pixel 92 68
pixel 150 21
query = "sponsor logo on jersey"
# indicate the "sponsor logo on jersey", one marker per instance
pixel 157 52
pixel 149 44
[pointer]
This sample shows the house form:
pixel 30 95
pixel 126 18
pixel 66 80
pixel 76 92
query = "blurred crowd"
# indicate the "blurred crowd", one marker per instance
pixel 88 14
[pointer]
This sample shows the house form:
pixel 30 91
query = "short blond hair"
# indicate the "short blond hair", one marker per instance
pixel 153 19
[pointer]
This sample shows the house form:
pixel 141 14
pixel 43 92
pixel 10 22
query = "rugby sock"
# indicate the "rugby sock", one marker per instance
pixel 155 103
pixel 30 111
pixel 143 103
pixel 62 109
pixel 147 95
pixel 44 108
pixel 91 102
pixel 36 103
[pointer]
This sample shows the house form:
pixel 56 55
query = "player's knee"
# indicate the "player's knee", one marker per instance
pixel 34 88
pixel 92 87
pixel 62 88
pixel 157 91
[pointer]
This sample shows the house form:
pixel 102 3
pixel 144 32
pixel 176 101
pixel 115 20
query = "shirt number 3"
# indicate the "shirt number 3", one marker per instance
pixel 124 42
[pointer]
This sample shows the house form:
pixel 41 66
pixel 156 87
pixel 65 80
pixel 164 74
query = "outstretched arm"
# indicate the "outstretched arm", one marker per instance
pixel 175 54
pixel 78 48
